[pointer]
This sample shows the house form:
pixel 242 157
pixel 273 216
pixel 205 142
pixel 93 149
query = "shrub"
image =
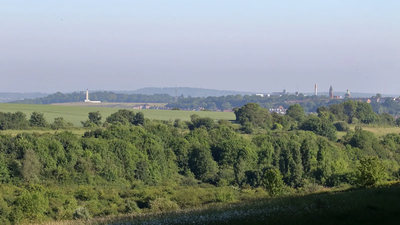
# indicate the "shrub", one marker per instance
pixel 131 207
pixel 370 172
pixel 272 182
pixel 225 195
pixel 81 213
pixel 341 126
pixel 31 206
pixel 4 209
pixel 277 126
pixel 163 205
pixel 86 194
pixel 311 188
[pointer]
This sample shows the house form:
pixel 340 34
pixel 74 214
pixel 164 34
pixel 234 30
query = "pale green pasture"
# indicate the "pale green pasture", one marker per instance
pixel 76 131
pixel 379 131
pixel 76 114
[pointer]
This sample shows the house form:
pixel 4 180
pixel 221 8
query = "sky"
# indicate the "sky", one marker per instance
pixel 258 46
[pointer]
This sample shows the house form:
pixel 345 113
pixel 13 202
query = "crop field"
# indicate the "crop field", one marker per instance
pixel 76 114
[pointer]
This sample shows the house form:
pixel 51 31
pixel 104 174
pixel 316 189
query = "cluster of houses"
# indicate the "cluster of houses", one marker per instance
pixel 280 110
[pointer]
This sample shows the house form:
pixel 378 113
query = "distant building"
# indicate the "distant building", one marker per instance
pixel 284 92
pixel 331 92
pixel 316 90
pixel 261 95
pixel 347 95
pixel 145 106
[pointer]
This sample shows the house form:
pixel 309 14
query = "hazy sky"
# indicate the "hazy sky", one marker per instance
pixel 257 45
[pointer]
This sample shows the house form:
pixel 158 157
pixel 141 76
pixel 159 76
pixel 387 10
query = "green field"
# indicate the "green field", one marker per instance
pixel 378 130
pixel 76 114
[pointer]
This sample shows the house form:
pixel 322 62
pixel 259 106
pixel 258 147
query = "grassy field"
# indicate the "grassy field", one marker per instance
pixel 124 105
pixel 75 114
pixel 379 131
pixel 78 132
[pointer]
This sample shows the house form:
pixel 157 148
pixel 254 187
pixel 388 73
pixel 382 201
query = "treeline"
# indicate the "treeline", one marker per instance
pixel 127 164
pixel 326 122
pixel 19 121
pixel 309 103
pixel 98 96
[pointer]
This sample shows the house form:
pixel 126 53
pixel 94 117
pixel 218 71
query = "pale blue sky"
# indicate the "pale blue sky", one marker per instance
pixel 260 46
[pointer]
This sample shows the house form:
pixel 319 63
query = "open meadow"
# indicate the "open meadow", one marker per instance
pixel 122 105
pixel 378 130
pixel 76 114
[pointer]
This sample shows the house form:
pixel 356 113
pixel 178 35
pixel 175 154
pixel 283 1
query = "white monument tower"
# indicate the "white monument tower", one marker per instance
pixel 87 96
pixel 316 90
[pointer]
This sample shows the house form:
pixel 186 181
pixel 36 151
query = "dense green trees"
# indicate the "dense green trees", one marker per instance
pixel 320 126
pixel 252 115
pixel 125 117
pixel 159 156
pixel 296 112
pixel 272 182
pixel 370 171
pixel 15 121
pixel 37 120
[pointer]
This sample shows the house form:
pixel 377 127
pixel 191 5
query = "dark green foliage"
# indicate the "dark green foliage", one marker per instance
pixel 125 167
pixel 139 119
pixel 125 117
pixel 199 122
pixel 122 116
pixel 296 112
pixel 60 123
pixel 37 120
pixel 320 126
pixel 386 118
pixel 202 164
pixel 341 126
pixel 16 121
pixel 272 182
pixel 95 117
pixel 253 115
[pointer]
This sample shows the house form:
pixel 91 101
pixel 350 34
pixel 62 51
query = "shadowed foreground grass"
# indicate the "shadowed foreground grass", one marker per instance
pixel 352 207
pixel 366 206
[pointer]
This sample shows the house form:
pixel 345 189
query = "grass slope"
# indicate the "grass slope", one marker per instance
pixel 75 114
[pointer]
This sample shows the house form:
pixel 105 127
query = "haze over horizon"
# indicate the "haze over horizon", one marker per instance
pixel 258 46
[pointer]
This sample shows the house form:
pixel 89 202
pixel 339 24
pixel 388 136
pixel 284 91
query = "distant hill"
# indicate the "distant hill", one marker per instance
pixel 185 91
